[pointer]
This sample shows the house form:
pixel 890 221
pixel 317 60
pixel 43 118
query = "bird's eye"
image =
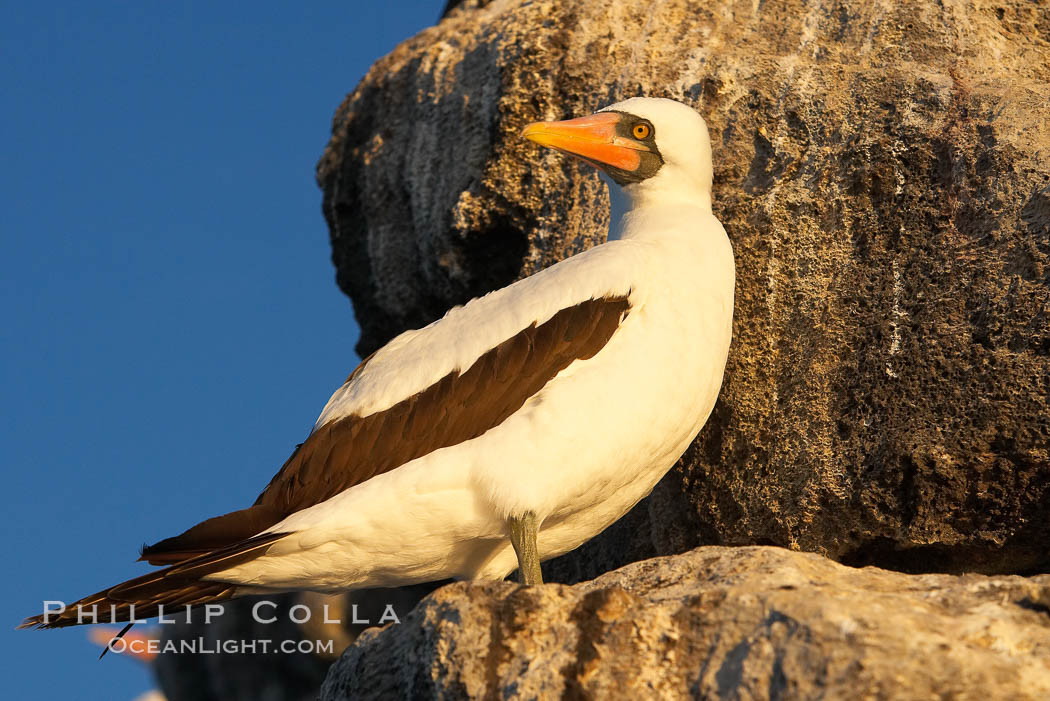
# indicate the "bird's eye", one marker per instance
pixel 642 131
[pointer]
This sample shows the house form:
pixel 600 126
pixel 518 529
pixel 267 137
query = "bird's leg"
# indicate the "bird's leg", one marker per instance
pixel 523 537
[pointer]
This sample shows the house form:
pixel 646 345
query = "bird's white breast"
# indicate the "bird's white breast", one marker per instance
pixel 635 407
pixel 579 454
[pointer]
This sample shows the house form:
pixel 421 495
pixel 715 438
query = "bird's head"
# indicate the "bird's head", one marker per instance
pixel 654 148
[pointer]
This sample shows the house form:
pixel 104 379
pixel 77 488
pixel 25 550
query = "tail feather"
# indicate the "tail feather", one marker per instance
pixel 172 587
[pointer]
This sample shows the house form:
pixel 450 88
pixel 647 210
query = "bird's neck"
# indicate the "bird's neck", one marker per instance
pixel 619 205
pixel 647 203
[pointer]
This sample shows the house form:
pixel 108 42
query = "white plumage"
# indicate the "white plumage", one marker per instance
pixel 579 454
pixel 436 460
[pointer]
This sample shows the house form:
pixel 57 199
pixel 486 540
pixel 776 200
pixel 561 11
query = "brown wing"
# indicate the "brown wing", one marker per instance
pixel 172 587
pixel 458 407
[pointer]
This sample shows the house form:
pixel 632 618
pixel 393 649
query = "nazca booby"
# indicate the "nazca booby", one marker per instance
pixel 510 431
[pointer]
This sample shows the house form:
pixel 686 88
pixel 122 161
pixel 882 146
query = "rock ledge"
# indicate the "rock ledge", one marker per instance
pixel 740 623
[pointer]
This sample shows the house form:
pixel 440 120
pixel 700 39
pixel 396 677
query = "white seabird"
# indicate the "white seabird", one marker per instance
pixel 508 432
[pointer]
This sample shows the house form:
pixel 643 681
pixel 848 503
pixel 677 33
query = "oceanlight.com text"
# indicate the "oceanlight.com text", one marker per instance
pixel 202 646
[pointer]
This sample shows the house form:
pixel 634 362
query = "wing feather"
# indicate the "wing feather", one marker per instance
pixel 457 407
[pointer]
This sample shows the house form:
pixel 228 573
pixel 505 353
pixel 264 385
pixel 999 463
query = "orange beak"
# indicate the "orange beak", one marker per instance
pixel 592 139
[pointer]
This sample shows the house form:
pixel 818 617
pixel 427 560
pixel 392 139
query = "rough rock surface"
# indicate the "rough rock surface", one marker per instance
pixel 882 171
pixel 726 623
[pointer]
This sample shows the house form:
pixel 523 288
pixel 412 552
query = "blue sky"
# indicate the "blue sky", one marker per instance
pixel 171 325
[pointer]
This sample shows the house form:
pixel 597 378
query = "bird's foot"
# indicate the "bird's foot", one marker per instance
pixel 523 532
